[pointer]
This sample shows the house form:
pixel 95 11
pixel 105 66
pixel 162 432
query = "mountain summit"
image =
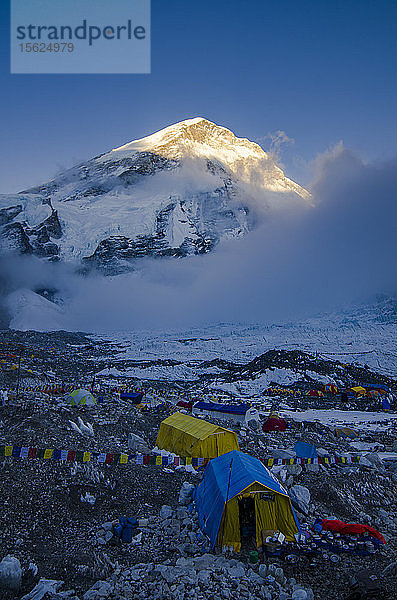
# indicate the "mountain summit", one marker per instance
pixel 176 192
pixel 199 138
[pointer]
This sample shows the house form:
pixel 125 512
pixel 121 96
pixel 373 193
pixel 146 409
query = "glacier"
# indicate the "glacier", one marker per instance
pixel 174 193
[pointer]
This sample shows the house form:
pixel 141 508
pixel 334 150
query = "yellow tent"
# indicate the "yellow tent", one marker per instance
pixel 273 415
pixel 239 497
pixel 186 436
pixel 359 391
pixel 345 432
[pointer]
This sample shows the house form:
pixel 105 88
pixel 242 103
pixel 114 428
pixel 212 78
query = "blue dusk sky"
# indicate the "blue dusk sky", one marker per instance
pixel 319 71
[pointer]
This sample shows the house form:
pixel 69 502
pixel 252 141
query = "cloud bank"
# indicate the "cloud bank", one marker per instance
pixel 296 263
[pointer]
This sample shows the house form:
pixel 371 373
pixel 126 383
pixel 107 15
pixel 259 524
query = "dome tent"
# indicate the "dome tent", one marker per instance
pixel 80 397
pixel 315 393
pixel 274 423
pixel 330 388
pixel 228 482
pixel 345 432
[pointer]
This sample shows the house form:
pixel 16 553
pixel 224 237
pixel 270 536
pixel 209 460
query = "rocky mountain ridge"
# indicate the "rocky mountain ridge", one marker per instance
pixel 177 192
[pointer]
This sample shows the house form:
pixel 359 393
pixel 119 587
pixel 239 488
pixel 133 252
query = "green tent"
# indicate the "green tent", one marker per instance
pixel 81 397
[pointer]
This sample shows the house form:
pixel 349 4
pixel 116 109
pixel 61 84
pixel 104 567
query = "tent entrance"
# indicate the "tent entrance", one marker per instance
pixel 247 519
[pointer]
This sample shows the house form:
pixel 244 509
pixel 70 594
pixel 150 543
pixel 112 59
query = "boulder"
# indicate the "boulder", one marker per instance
pixel 44 587
pixel 279 575
pixel 172 574
pixel 263 570
pixel 254 578
pixel 166 512
pixel 283 473
pixel 313 468
pixel 299 595
pixel 322 452
pixel 10 573
pixel 293 469
pixel 137 443
pixel 185 495
pixel 300 497
pixel 375 460
pixel 282 453
pixel 237 571
pixel 98 591
pixel 206 561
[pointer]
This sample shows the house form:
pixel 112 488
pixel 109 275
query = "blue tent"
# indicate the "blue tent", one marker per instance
pixel 231 409
pixel 304 450
pixel 135 397
pixel 226 480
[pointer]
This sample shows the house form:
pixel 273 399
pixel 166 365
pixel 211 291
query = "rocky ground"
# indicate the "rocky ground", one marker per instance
pixel 57 517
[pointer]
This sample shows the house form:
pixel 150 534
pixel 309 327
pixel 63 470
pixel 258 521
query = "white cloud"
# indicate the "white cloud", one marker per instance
pixel 298 261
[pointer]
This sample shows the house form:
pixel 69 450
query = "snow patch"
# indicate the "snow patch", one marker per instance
pixel 30 311
pixel 358 420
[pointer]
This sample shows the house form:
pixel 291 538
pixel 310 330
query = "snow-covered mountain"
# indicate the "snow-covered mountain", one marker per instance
pixel 177 192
